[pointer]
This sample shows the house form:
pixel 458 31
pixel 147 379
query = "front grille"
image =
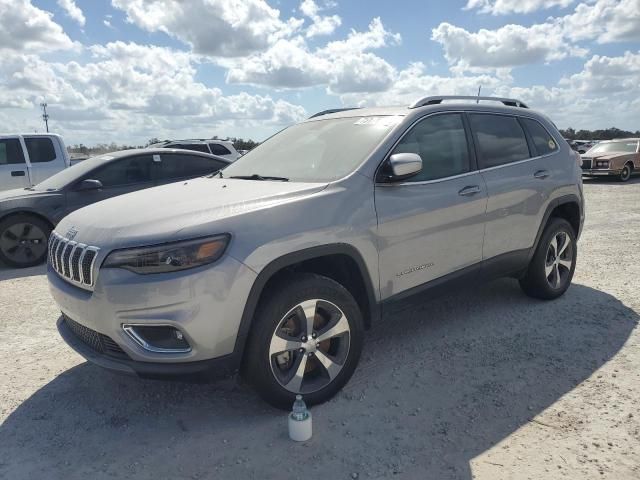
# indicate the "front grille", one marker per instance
pixel 73 261
pixel 96 341
pixel 586 163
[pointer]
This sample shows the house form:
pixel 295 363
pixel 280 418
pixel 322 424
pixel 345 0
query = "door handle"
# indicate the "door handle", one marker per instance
pixel 541 174
pixel 17 173
pixel 470 190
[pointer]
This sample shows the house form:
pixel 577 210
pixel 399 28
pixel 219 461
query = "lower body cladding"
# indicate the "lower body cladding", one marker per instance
pixel 161 325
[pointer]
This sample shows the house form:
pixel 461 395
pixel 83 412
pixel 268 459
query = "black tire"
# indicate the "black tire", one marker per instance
pixel 16 254
pixel 260 366
pixel 625 175
pixel 535 282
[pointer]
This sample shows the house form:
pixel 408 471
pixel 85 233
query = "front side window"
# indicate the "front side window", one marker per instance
pixel 542 139
pixel 441 142
pixel 127 171
pixel 499 139
pixel 317 150
pixel 177 165
pixel 40 150
pixel 11 152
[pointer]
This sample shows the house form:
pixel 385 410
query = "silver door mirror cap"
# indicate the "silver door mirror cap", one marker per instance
pixel 404 165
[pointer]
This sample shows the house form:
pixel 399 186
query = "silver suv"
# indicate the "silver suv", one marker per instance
pixel 277 266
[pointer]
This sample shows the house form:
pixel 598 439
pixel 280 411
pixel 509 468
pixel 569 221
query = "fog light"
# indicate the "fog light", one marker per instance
pixel 157 338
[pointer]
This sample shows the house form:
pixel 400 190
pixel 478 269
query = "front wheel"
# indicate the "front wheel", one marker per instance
pixel 551 269
pixel 306 339
pixel 23 241
pixel 625 175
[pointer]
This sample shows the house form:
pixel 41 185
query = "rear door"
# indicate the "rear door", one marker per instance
pixel 14 172
pixel 519 181
pixel 45 158
pixel 174 167
pixel 431 225
pixel 117 177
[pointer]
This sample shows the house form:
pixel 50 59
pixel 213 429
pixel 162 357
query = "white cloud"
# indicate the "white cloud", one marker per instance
pixel 504 7
pixel 603 20
pixel 604 75
pixel 507 46
pixel 73 11
pixel 322 25
pixel 343 66
pixel 24 28
pixel 224 28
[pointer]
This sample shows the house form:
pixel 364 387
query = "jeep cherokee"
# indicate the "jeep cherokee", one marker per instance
pixel 276 266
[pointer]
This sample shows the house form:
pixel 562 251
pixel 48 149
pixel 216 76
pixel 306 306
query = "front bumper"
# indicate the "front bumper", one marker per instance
pixel 206 304
pixel 600 172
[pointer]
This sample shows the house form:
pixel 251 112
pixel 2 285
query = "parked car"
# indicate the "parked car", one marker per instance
pixel 619 158
pixel 28 215
pixel 221 148
pixel 30 158
pixel 278 264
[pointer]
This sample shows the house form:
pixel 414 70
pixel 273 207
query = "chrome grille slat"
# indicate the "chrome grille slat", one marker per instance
pixel 73 261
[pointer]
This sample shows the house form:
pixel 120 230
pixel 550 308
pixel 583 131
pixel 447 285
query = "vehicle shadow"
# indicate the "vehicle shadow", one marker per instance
pixel 9 273
pixel 439 383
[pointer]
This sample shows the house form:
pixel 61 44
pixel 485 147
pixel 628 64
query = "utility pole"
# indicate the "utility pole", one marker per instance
pixel 45 115
pixel 479 88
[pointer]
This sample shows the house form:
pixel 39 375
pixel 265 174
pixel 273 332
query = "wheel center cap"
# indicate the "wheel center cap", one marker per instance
pixel 310 346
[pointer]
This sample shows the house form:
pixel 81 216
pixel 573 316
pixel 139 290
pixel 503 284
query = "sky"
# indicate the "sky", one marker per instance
pixel 125 71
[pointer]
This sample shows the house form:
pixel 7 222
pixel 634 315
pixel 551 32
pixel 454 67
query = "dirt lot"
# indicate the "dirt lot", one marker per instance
pixel 485 384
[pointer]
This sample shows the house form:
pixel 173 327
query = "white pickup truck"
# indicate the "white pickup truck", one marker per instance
pixel 29 159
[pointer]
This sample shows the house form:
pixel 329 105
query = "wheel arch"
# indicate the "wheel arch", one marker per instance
pixel 567 207
pixel 336 261
pixel 30 213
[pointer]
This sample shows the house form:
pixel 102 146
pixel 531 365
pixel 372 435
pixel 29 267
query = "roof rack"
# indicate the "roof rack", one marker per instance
pixel 510 102
pixel 332 110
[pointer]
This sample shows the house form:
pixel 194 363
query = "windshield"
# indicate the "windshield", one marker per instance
pixel 71 174
pixel 317 151
pixel 607 147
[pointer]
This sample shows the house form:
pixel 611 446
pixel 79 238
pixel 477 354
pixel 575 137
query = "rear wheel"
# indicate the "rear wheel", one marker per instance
pixel 625 175
pixel 306 339
pixel 551 269
pixel 23 240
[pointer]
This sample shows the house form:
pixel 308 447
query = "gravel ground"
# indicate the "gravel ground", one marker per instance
pixel 485 384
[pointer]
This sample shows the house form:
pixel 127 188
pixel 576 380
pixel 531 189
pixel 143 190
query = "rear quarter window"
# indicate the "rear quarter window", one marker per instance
pixel 218 149
pixel 542 139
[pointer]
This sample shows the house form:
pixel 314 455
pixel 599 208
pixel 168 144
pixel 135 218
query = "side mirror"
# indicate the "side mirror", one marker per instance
pixel 89 184
pixel 403 165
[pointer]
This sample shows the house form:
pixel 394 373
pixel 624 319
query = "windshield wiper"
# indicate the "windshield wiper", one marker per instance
pixel 255 176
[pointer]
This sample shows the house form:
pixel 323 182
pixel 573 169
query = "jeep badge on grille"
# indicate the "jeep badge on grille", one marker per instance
pixel 71 233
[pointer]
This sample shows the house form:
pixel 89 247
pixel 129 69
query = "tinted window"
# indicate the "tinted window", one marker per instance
pixel 11 152
pixel 543 141
pixel 218 149
pixel 198 147
pixel 40 150
pixel 499 139
pixel 177 166
pixel 127 171
pixel 441 142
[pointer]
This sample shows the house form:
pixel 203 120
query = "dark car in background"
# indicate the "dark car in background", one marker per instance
pixel 28 215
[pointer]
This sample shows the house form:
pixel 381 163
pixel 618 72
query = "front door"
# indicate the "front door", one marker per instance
pixel 14 172
pixel 432 224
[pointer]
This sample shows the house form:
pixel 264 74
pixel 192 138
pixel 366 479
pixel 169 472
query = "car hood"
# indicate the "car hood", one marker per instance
pixel 176 211
pixel 21 193
pixel 607 156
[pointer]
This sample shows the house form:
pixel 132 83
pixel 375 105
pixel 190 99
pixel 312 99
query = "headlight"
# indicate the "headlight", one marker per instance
pixel 169 257
pixel 602 163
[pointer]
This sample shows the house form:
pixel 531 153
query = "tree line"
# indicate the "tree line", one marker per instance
pixel 605 134
pixel 101 148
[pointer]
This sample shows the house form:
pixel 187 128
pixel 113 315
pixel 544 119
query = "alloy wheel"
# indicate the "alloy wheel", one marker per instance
pixel 559 260
pixel 309 346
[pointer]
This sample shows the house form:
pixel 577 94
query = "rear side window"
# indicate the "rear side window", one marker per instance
pixel 542 139
pixel 218 149
pixel 11 152
pixel 198 147
pixel 40 150
pixel 127 171
pixel 441 142
pixel 499 139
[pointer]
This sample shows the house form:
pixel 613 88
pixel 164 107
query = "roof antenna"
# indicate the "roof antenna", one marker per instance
pixel 479 88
